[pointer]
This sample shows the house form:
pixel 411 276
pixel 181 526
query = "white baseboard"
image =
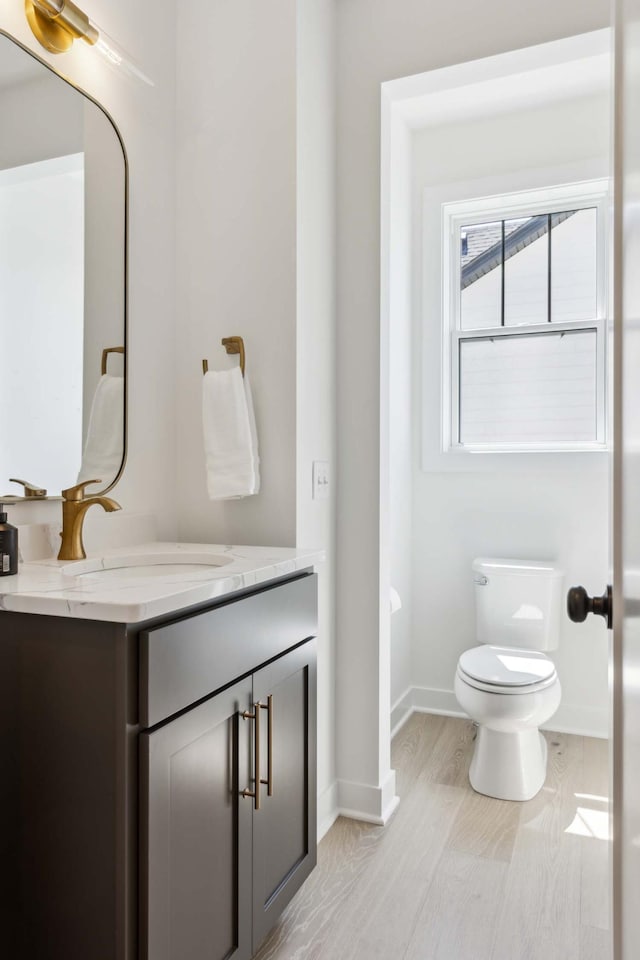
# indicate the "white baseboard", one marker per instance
pixel 433 700
pixel 360 801
pixel 583 721
pixel 328 811
pixel 569 718
pixel 401 711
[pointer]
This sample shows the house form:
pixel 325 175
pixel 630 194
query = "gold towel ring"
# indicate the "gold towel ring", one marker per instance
pixel 231 345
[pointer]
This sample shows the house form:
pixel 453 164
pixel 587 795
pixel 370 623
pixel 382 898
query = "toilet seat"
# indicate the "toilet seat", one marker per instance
pixel 505 670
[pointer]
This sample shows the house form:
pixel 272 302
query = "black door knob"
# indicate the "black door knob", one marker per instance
pixel 579 604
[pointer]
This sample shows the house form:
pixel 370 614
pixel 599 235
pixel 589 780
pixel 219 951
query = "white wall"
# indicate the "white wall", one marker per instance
pixel 255 236
pixel 316 347
pixel 236 248
pixel 145 117
pixel 379 40
pixel 396 396
pixel 55 127
pixel 531 506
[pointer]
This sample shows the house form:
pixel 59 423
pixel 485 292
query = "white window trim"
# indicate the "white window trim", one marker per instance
pixel 575 196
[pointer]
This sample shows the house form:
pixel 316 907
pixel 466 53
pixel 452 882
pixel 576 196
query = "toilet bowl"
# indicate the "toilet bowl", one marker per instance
pixel 510 687
pixel 510 755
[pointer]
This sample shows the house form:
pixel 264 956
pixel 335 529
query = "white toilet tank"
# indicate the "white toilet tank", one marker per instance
pixel 518 603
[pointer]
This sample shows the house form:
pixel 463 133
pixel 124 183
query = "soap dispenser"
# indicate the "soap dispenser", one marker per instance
pixel 8 546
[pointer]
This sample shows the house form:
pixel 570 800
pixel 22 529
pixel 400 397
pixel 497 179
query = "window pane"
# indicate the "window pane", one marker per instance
pixel 528 389
pixel 573 265
pixel 480 275
pixel 526 270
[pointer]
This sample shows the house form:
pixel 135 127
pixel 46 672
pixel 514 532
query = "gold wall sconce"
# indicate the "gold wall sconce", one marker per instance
pixel 57 23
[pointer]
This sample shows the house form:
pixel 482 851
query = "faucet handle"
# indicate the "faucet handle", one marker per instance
pixel 30 489
pixel 77 492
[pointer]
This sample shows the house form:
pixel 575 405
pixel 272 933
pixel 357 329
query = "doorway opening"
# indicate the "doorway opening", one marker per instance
pixel 504 144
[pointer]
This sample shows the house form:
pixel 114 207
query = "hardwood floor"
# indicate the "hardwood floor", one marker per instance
pixel 459 876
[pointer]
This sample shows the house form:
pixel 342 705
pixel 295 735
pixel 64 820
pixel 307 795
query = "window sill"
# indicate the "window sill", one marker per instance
pixel 521 448
pixel 459 460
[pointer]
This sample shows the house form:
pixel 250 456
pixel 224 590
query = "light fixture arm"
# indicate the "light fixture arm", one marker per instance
pixel 57 23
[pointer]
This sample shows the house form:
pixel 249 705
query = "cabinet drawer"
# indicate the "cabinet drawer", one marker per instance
pixel 184 661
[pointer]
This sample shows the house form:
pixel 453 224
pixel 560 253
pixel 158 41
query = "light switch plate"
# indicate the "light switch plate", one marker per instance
pixel 321 485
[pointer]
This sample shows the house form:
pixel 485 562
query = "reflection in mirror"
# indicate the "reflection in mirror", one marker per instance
pixel 62 281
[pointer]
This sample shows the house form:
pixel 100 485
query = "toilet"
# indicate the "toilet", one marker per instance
pixel 508 684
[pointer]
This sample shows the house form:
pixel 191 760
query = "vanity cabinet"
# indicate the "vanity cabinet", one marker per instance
pixel 130 753
pixel 196 834
pixel 219 863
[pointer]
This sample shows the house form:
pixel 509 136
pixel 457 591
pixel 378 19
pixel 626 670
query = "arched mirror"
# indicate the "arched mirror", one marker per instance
pixel 63 280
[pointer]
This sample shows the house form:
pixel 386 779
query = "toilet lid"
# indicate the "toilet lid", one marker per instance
pixel 506 667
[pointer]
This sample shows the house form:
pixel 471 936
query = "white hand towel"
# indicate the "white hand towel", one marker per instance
pixel 230 439
pixel 104 446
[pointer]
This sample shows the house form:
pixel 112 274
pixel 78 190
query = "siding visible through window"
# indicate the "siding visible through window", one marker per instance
pixel 536 388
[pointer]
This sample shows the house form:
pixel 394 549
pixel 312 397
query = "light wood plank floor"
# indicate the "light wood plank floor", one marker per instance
pixel 459 876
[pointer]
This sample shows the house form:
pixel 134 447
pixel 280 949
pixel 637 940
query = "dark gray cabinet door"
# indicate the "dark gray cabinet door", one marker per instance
pixel 284 828
pixel 196 833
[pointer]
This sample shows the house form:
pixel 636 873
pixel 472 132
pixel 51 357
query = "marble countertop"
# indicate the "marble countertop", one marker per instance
pixel 130 584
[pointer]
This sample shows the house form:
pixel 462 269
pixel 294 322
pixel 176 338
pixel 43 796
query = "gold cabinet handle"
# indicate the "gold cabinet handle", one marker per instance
pixel 255 716
pixel 268 706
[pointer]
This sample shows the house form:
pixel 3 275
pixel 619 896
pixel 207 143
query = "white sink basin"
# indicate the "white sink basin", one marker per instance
pixel 173 566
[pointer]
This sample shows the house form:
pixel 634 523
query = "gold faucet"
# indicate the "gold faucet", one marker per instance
pixel 31 490
pixel 74 508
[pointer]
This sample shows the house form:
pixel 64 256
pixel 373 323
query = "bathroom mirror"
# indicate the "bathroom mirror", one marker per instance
pixel 63 239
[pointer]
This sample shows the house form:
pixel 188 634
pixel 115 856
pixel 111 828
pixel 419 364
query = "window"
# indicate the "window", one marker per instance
pixel 524 312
